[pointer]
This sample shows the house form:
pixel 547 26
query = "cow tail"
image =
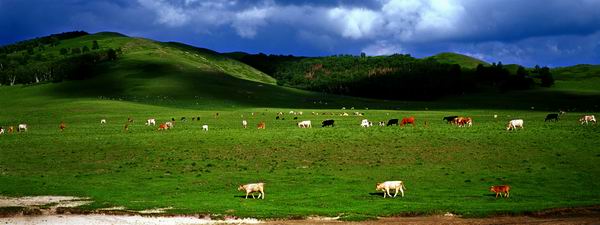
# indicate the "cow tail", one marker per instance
pixel 403 187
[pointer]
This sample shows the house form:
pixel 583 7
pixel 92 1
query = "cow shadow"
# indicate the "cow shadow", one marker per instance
pixel 244 196
pixel 380 194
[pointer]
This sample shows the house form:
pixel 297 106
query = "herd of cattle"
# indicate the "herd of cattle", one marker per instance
pixel 456 120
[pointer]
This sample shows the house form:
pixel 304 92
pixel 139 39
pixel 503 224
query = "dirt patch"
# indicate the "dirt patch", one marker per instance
pixel 39 205
pixel 96 219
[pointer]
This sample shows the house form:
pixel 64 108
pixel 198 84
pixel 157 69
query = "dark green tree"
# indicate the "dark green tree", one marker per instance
pixel 75 51
pixel 546 77
pixel 95 45
pixel 63 51
pixel 85 49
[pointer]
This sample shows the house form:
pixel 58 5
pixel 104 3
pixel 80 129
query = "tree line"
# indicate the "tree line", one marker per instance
pixel 398 76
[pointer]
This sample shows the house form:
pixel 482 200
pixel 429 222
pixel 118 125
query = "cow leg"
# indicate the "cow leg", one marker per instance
pixel 402 191
pixel 497 194
pixel 507 194
pixel 246 195
pixel 396 192
pixel 253 195
pixel 263 194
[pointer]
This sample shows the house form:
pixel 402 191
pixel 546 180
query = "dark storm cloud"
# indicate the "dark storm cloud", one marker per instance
pixel 547 32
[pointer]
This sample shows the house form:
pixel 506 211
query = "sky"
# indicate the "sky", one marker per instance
pixel 527 32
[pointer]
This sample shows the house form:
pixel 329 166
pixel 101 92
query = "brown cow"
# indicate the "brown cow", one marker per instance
pixel 11 129
pixel 163 126
pixel 62 126
pixel 501 189
pixel 463 121
pixel 126 127
pixel 261 125
pixel 408 120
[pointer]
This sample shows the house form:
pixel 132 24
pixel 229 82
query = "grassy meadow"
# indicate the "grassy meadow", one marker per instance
pixel 319 171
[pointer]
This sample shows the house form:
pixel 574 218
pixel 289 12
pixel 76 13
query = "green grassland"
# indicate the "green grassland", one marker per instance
pixel 455 58
pixel 319 171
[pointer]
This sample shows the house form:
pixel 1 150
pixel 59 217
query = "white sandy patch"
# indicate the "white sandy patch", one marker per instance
pixel 57 201
pixel 157 210
pixel 124 220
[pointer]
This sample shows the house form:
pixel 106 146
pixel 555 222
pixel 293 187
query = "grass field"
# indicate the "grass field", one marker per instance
pixel 318 171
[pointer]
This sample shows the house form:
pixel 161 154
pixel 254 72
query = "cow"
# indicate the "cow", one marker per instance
pixel 587 118
pixel 1 130
pixel 277 117
pixel 261 125
pixel 151 122
pixel 463 121
pixel 163 126
pixel 183 119
pixel 22 128
pixel 513 124
pixel 408 120
pixel 305 124
pixel 205 127
pixel 381 123
pixel 244 123
pixel 169 125
pixel 326 123
pixel 449 119
pixel 365 123
pixel 392 122
pixel 103 121
pixel 62 126
pixel 500 190
pixel 280 113
pixel 11 129
pixel 300 113
pixel 126 128
pixel 252 188
pixel 292 112
pixel 387 185
pixel 129 120
pixel 197 118
pixel 193 119
pixel 551 116
pixel 172 119
pixel 295 118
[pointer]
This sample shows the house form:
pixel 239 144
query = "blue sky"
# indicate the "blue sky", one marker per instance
pixel 528 32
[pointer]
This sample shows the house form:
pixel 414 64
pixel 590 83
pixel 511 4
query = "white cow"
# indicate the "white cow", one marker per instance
pixel 365 123
pixel 102 121
pixel 22 127
pixel 381 123
pixel 1 130
pixel 244 123
pixel 205 127
pixel 151 122
pixel 305 124
pixel 514 124
pixel 169 125
pixel 251 188
pixel 587 118
pixel 386 186
pixel 300 113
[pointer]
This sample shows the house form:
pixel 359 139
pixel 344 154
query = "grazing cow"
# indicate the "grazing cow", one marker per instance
pixel 280 113
pixel 501 189
pixel 183 119
pixel 381 123
pixel 513 124
pixel 62 126
pixel 392 122
pixel 126 128
pixel 326 123
pixel 216 115
pixel 193 118
pixel 277 117
pixel 386 186
pixel 205 127
pixel 365 123
pixel 172 119
pixel 344 114
pixel 252 188
pixel 408 120
pixel 449 119
pixel 295 118
pixel 292 112
pixel 244 123
pixel 169 125
pixel 11 129
pixel 151 122
pixel 300 113
pixel 197 118
pixel 103 121
pixel 305 124
pixel 22 127
pixel 551 116
pixel 463 121
pixel 587 118
pixel 261 125
pixel 1 130
pixel 163 126
pixel 495 116
pixel 129 120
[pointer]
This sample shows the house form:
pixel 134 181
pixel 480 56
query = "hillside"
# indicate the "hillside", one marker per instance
pixel 455 58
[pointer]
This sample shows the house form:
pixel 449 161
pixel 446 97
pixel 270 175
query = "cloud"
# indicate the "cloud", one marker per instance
pixel 382 48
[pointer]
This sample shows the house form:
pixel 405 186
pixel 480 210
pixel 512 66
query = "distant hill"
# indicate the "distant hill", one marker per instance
pixel 580 71
pixel 455 58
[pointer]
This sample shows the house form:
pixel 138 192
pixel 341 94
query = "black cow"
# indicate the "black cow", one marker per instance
pixel 392 122
pixel 295 118
pixel 277 117
pixel 449 119
pixel 198 118
pixel 173 119
pixel 551 116
pixel 327 123
pixel 183 118
pixel 193 118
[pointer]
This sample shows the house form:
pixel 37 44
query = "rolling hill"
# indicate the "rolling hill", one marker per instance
pixel 455 58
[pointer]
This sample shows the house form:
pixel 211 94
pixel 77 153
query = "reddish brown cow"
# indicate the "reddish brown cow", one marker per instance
pixel 62 126
pixel 163 126
pixel 501 189
pixel 261 125
pixel 408 120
